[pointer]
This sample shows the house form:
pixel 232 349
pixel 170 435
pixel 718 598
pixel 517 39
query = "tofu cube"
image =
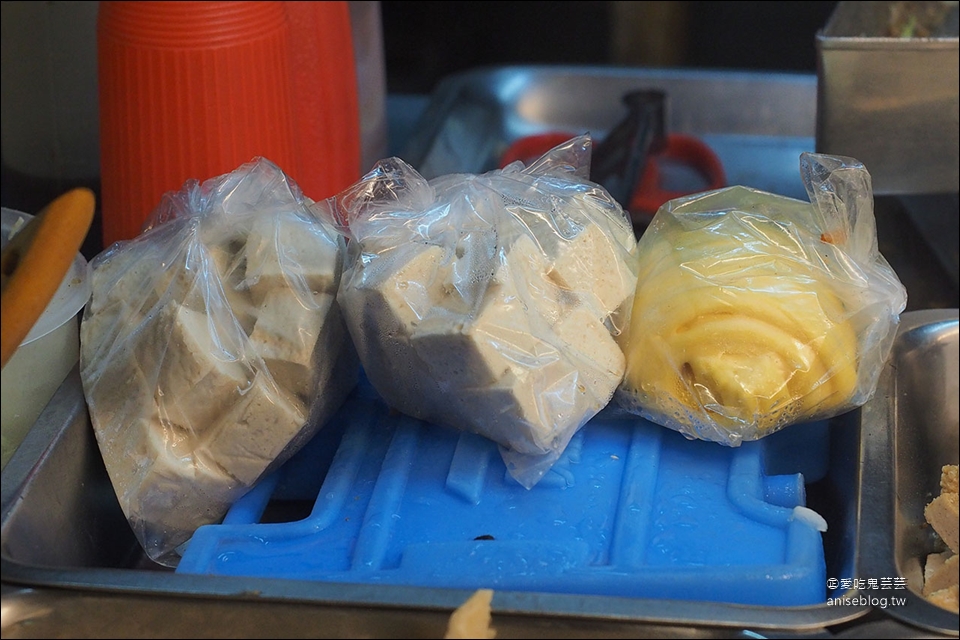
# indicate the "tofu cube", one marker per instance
pixel 593 350
pixel 942 514
pixel 287 327
pixel 940 571
pixel 165 488
pixel 591 262
pixel 255 430
pixel 198 366
pixel 286 246
pixel 496 338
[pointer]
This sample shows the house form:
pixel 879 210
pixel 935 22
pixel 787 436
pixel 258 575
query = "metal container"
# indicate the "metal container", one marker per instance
pixel 890 102
pixel 915 413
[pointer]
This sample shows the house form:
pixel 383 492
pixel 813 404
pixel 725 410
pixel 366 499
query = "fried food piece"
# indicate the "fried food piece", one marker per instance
pixel 472 618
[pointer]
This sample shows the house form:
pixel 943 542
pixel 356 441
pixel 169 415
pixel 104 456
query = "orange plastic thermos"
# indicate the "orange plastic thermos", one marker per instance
pixel 193 90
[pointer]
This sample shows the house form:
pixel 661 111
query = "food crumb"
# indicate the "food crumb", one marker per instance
pixel 811 517
pixel 472 618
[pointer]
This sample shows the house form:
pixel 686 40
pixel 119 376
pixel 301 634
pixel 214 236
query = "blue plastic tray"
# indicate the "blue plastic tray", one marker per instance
pixel 631 509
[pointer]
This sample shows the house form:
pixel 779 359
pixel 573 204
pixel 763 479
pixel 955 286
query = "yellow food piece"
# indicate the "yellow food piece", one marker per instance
pixel 941 571
pixel 946 598
pixel 949 478
pixel 472 618
pixel 736 330
pixel 943 513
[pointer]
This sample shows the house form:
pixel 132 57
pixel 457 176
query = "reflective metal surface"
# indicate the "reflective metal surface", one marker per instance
pixel 71 562
pixel 910 432
pixel 890 102
pixel 757 123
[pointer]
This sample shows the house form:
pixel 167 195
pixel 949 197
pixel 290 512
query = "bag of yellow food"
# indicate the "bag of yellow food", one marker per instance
pixel 755 311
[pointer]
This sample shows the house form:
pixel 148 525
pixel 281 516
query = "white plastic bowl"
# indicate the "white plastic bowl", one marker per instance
pixel 48 353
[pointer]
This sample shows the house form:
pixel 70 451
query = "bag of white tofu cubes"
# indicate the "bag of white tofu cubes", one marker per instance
pixel 489 303
pixel 213 349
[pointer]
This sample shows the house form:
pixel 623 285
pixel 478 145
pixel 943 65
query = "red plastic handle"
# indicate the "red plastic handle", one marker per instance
pixel 649 194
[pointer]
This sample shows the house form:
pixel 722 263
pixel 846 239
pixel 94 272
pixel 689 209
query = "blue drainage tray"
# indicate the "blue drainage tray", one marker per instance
pixel 631 509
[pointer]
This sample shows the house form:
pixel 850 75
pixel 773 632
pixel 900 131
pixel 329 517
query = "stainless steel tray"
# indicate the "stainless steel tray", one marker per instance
pixel 64 535
pixel 756 123
pixel 910 432
pixel 71 565
pixel 891 102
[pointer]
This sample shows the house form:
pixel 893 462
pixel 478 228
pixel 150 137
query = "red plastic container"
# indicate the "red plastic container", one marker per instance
pixel 192 90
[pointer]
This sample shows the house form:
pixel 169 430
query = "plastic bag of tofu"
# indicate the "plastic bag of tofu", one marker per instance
pixel 490 303
pixel 212 349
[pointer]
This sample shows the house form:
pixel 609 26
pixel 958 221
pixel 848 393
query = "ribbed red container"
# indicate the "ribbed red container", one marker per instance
pixel 195 89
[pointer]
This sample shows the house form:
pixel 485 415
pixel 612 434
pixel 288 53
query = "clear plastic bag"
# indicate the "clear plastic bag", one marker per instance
pixel 212 349
pixel 489 303
pixel 754 311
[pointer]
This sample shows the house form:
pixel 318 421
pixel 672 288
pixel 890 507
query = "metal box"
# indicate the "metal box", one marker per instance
pixel 890 102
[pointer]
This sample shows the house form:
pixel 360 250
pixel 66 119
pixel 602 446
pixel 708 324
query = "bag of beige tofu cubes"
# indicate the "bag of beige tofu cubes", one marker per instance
pixel 490 303
pixel 213 349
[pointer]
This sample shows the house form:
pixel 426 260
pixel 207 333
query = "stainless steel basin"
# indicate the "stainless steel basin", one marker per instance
pixel 910 432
